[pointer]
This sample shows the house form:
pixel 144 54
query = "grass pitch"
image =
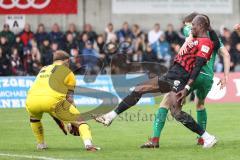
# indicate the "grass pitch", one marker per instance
pixel 123 138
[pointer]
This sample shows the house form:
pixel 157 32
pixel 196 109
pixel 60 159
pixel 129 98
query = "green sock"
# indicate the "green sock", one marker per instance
pixel 202 118
pixel 159 121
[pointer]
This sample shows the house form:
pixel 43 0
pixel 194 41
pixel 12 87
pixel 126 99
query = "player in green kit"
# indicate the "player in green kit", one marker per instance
pixel 201 86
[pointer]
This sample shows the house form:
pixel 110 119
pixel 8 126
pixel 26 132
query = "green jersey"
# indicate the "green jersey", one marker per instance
pixel 207 69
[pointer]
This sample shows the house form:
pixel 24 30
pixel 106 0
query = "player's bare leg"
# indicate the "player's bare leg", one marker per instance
pixel 189 122
pixel 151 86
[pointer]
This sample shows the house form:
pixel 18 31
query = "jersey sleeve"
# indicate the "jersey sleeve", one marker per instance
pixel 70 81
pixel 205 48
pixel 221 43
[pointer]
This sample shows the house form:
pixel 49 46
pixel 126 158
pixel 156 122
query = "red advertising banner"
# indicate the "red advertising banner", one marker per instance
pixel 38 6
pixel 231 93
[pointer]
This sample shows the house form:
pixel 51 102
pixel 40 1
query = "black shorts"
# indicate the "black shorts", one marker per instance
pixel 177 76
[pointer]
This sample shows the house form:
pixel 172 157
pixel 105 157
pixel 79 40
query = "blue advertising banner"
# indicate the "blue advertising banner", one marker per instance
pixel 14 89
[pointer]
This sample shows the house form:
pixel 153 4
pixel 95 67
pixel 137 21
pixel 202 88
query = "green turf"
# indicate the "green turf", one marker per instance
pixel 123 138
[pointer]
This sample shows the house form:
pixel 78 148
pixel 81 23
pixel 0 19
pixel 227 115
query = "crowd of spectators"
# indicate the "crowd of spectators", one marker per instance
pixel 26 52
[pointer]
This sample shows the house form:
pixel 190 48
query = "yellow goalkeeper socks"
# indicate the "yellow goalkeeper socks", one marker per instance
pixel 85 133
pixel 38 131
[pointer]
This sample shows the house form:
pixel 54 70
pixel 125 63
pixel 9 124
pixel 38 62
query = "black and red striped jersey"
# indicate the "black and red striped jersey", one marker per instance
pixel 197 47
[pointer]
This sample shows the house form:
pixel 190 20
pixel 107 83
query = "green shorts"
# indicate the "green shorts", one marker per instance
pixel 202 85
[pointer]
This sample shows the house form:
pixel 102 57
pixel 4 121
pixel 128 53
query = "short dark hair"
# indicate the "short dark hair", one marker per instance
pixel 190 17
pixel 60 55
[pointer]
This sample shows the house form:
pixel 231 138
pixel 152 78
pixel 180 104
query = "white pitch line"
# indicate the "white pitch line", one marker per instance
pixel 28 156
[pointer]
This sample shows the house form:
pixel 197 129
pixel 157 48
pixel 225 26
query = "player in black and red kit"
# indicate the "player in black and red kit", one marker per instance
pixel 176 81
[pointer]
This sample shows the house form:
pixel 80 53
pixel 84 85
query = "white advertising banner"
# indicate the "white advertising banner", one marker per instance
pixel 231 93
pixel 15 22
pixel 171 6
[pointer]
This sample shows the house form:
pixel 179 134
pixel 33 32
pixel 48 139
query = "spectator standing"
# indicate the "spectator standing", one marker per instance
pixel 148 55
pixel 162 50
pixel 100 44
pixel 82 41
pixel 75 63
pixel 226 36
pixel 46 55
pixel 19 45
pixel 54 47
pixel 8 34
pixel 26 35
pixel 110 35
pixel 41 34
pixel 171 35
pixel 73 30
pixel 92 35
pixel 16 63
pixel 90 58
pixel 32 59
pixel 139 39
pixel 154 34
pixel 70 44
pixel 6 49
pixel 235 39
pixel 235 58
pixel 137 32
pixel 124 33
pixel 5 65
pixel 57 36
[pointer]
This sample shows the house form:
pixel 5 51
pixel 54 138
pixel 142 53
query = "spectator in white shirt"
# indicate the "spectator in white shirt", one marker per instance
pixel 110 33
pixel 154 34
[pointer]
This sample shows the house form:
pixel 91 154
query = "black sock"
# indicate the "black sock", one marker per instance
pixel 128 102
pixel 189 122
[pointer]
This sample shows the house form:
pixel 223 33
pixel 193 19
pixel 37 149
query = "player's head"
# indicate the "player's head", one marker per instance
pixel 187 21
pixel 62 57
pixel 212 34
pixel 200 24
pixel 189 18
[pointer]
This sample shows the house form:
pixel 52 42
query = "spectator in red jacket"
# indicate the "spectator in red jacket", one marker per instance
pixel 26 35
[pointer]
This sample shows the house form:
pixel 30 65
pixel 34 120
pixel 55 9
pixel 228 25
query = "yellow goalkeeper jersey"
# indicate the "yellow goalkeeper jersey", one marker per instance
pixel 54 80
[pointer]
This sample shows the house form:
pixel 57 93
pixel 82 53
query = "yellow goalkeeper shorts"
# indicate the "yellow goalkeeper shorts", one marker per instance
pixel 59 108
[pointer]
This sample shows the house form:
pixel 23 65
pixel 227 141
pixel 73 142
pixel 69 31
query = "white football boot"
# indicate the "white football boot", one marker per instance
pixel 107 118
pixel 42 146
pixel 92 148
pixel 209 140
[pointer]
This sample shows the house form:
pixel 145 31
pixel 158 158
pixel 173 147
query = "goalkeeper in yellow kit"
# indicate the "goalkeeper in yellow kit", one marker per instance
pixel 52 92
